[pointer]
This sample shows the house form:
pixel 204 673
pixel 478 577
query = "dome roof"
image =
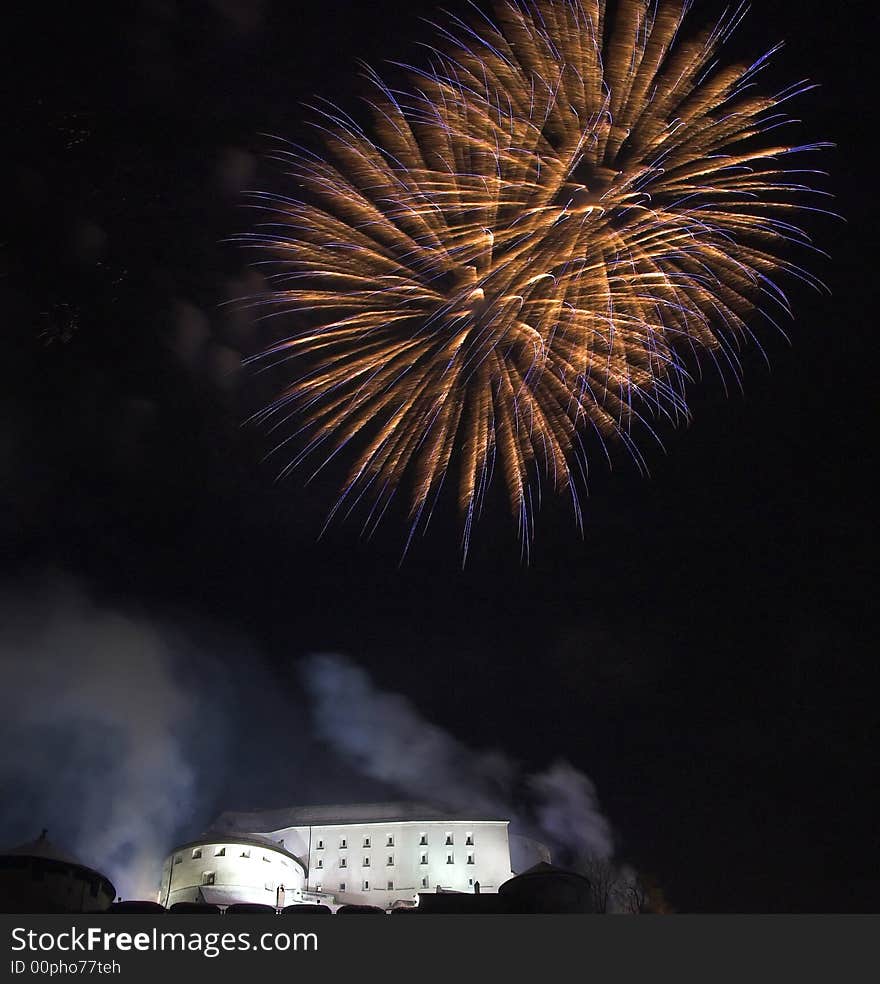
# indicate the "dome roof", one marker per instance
pixel 546 888
pixel 42 847
pixel 543 869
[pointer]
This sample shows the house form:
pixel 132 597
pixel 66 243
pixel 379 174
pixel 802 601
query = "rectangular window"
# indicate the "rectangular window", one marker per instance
pixel 342 863
pixel 219 852
pixel 469 840
pixel 342 886
pixel 423 840
pixel 320 863
pixel 389 840
pixel 470 881
pixel 366 886
pixel 207 877
pixel 424 858
pixel 366 862
pixel 390 886
pixel 470 859
pixel 320 845
pixel 197 853
pixel 267 859
pixel 319 887
pixel 390 859
pixel 178 858
pixel 343 842
pixel 450 859
pixel 366 842
pixel 424 883
pixel 246 853
pixel 448 839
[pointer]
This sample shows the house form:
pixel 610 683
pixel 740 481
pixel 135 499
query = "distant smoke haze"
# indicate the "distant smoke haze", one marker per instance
pixel 93 734
pixel 384 736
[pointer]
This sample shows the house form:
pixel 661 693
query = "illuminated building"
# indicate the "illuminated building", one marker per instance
pixel 380 854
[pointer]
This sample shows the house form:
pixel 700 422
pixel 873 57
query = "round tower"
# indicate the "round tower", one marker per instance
pixel 39 877
pixel 222 869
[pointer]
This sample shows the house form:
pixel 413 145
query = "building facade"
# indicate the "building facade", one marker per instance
pixel 379 854
pixel 221 869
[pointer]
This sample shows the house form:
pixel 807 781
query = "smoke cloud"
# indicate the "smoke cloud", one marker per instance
pixel 385 737
pixel 94 734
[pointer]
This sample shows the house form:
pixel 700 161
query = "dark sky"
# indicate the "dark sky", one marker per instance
pixel 702 652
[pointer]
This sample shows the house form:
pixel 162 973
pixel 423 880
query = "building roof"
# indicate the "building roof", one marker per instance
pixel 42 847
pixel 540 871
pixel 546 868
pixel 339 814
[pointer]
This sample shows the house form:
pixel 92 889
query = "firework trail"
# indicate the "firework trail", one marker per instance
pixel 525 250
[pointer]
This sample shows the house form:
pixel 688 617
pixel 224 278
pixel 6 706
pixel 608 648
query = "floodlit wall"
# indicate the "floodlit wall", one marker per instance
pixel 379 863
pixel 221 872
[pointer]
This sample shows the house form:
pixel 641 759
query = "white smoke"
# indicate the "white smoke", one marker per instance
pixel 93 723
pixel 385 737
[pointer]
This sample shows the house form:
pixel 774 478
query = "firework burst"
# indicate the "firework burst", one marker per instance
pixel 524 251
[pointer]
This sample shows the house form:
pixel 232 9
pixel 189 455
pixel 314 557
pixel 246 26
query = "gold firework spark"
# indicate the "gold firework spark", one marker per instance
pixel 528 245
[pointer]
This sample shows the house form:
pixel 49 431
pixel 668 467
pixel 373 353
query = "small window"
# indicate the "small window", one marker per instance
pixel 470 858
pixel 269 887
pixel 178 858
pixel 424 883
pixel 320 845
pixel 366 862
pixel 207 877
pixel 197 853
pixel 319 887
pixel 389 840
pixel 219 852
pixel 391 886
pixel 267 859
pixel 469 840
pixel 450 859
pixel 320 863
pixel 343 863
pixel 342 886
pixel 246 853
pixel 470 882
pixel 448 839
pixel 366 842
pixel 390 859
pixel 343 842
pixel 424 858
pixel 423 840
pixel 366 886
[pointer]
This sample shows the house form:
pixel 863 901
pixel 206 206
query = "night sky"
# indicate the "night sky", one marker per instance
pixel 702 653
